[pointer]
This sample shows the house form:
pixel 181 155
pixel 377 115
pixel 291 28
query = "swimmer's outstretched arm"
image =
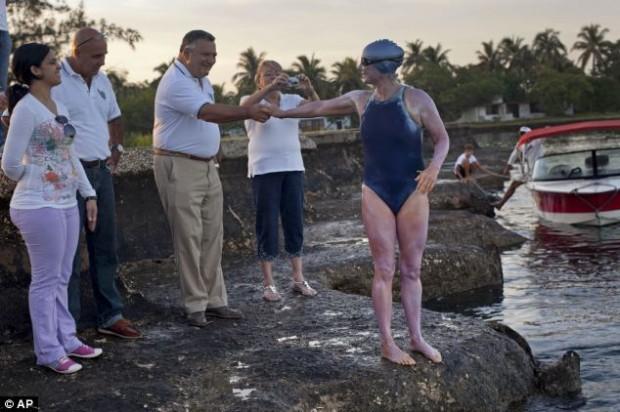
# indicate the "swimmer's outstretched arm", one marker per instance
pixel 345 104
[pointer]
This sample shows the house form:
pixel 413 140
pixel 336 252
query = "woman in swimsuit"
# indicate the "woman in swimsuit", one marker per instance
pixel 395 204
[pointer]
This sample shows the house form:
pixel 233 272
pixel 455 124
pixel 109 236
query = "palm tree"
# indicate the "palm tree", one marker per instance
pixel 592 46
pixel 312 68
pixel 413 55
pixel 248 63
pixel 490 57
pixel 221 95
pixel 611 64
pixel 160 69
pixel 347 76
pixel 515 55
pixel 549 49
pixel 436 55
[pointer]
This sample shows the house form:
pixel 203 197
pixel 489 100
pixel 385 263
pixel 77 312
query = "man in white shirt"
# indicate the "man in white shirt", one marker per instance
pixel 186 140
pixel 518 177
pixel 466 164
pixel 94 111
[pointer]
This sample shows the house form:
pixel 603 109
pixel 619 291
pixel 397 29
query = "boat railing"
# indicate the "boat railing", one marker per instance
pixel 601 206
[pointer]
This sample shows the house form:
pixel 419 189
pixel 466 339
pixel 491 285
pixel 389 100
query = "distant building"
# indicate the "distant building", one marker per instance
pixel 498 110
pixel 314 124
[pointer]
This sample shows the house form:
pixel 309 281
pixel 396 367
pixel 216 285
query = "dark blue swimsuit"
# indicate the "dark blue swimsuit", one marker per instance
pixel 392 150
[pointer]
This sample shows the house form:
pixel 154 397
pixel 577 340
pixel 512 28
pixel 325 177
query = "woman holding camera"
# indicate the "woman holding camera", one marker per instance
pixel 276 168
pixel 39 156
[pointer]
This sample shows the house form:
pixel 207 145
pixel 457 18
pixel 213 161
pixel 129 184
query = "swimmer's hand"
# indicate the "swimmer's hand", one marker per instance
pixel 277 112
pixel 260 113
pixel 427 179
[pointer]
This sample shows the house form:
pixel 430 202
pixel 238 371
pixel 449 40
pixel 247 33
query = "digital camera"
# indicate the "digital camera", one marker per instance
pixel 293 81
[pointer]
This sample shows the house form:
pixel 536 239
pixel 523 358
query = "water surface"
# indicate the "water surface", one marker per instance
pixel 562 292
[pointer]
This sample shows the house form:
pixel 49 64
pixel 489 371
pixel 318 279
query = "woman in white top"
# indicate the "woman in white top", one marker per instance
pixel 39 156
pixel 276 168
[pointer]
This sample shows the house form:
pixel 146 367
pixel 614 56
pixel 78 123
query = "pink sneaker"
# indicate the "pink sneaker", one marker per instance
pixel 65 366
pixel 86 352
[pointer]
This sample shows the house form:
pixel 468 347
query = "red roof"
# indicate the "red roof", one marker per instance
pixel 545 132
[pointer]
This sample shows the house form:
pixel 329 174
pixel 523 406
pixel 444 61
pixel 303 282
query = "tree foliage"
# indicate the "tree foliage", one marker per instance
pixel 558 92
pixel 510 68
pixel 53 22
pixel 347 76
pixel 248 64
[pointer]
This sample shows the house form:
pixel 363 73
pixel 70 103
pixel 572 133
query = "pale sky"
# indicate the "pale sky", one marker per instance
pixel 335 29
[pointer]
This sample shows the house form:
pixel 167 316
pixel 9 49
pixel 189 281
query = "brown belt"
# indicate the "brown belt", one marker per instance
pixel 163 152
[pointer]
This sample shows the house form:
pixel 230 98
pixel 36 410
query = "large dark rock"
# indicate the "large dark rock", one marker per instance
pixel 298 354
pixel 561 378
pixel 452 264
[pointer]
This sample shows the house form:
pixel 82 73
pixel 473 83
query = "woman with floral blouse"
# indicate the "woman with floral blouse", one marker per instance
pixel 38 155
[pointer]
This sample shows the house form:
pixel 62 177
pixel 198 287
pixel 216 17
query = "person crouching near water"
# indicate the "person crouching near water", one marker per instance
pixel 395 205
pixel 276 168
pixel 466 164
pixel 39 156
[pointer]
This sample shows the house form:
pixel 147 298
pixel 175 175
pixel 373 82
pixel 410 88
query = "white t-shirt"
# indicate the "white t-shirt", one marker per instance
pixel 41 159
pixel 274 145
pixel 461 159
pixel 90 111
pixel 4 21
pixel 177 104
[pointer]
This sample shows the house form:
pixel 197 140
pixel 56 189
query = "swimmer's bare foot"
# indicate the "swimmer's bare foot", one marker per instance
pixel 427 350
pixel 394 354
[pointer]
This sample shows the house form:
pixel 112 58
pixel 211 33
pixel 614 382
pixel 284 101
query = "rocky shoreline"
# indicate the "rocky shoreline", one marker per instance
pixel 297 354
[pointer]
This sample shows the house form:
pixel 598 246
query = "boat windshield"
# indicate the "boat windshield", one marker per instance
pixel 578 165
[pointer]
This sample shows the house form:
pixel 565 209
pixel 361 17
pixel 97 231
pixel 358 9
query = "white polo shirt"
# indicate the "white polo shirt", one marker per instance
pixel 90 111
pixel 177 103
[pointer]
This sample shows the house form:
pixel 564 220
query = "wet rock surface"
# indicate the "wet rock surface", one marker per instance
pixel 297 354
pixel 562 378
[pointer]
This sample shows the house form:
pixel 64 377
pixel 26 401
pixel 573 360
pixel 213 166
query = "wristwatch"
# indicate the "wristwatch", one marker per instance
pixel 87 198
pixel 118 147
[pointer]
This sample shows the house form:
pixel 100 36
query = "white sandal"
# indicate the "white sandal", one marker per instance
pixel 270 293
pixel 304 288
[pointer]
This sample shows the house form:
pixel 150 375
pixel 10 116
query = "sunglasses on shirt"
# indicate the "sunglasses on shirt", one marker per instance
pixel 368 62
pixel 67 127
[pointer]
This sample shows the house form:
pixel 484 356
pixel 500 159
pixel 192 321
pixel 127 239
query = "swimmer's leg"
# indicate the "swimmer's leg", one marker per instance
pixel 412 229
pixel 380 225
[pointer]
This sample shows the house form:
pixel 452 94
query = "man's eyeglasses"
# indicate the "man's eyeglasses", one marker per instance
pixel 368 62
pixel 99 36
pixel 67 127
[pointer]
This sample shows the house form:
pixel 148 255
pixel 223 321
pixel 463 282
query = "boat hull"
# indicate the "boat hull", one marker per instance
pixel 595 209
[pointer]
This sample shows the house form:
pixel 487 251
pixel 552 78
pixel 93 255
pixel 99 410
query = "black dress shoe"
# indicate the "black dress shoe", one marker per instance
pixel 224 312
pixel 198 319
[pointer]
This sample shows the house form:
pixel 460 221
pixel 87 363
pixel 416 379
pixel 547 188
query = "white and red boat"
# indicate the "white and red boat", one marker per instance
pixel 573 171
